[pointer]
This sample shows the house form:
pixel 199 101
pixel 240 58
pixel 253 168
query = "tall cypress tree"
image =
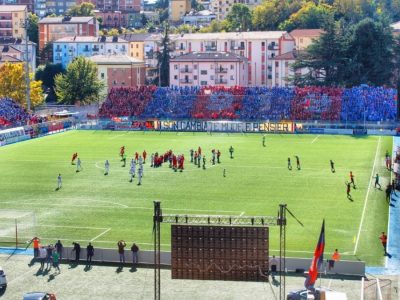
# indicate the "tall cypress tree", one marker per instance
pixel 163 57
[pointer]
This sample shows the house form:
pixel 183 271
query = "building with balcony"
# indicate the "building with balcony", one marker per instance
pixel 19 45
pixel 178 9
pixel 113 5
pixel 55 28
pixel 304 37
pixel 119 71
pixel 11 20
pixel 199 18
pixel 68 48
pixel 259 47
pixel 282 69
pixel 222 8
pixel 136 44
pixel 208 68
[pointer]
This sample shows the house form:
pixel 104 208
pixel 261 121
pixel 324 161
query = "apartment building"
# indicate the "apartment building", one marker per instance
pixel 11 20
pixel 113 5
pixel 259 48
pixel 208 68
pixel 17 47
pixel 304 37
pixel 136 44
pixel 199 18
pixel 178 9
pixel 119 71
pixel 55 28
pixel 221 8
pixel 68 48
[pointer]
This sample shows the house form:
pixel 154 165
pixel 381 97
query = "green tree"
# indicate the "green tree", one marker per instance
pixel 239 17
pixel 325 59
pixel 81 10
pixel 196 5
pixel 46 74
pixel 310 16
pixel 79 83
pixel 163 57
pixel 33 28
pixel 215 26
pixel 371 54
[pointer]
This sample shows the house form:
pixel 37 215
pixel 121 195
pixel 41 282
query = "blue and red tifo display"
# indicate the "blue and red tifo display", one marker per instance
pixel 355 104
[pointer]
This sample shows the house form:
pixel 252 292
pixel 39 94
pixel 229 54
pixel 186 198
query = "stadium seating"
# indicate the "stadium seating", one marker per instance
pixel 171 103
pixel 126 102
pixel 217 102
pixel 369 104
pixel 253 103
pixel 261 103
pixel 12 114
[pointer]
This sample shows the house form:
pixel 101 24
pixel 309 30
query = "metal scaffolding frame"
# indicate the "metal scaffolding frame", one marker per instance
pixel 267 221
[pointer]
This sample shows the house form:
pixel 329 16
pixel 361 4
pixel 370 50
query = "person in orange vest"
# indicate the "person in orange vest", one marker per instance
pixel 335 258
pixel 36 245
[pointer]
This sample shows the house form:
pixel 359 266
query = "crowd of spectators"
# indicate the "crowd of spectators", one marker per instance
pixel 171 103
pixel 253 103
pixel 317 103
pixel 262 103
pixel 369 104
pixel 126 101
pixel 12 114
pixel 216 102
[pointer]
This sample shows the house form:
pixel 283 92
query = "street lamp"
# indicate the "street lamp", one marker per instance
pixel 25 25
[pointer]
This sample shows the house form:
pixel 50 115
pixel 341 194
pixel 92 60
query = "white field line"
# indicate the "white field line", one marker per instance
pixel 366 197
pixel 241 214
pixel 119 206
pixel 388 229
pixel 74 227
pixel 103 233
pixel 117 136
pixel 315 139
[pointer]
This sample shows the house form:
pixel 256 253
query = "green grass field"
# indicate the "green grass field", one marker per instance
pixel 105 209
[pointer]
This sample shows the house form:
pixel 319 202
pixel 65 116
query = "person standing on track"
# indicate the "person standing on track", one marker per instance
pixel 263 140
pixel 231 151
pixel 78 165
pixel 332 166
pixel 383 239
pixel 298 162
pixel 289 164
pixel 348 189
pixel 144 156
pixel 132 171
pixel 106 167
pixel 140 175
pixel 59 182
pixel 377 181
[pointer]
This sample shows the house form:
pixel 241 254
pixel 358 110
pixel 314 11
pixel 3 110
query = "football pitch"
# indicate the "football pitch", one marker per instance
pixel 105 209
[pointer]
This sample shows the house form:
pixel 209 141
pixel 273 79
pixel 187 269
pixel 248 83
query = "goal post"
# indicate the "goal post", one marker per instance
pixel 17 228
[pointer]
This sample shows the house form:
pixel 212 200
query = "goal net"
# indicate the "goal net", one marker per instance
pixel 17 228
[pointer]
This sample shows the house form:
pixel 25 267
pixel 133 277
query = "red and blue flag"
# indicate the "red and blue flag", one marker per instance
pixel 317 260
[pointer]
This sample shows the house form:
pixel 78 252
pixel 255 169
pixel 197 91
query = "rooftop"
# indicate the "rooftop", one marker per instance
pixel 260 35
pixel 116 59
pixel 135 37
pixel 202 13
pixel 13 41
pixel 91 39
pixel 291 55
pixel 9 58
pixel 306 32
pixel 57 20
pixel 209 56
pixel 7 8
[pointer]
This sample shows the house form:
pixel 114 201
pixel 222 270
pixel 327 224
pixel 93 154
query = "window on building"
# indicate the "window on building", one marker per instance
pixel 131 46
pixel 203 82
pixel 263 44
pixel 287 64
pixel 212 77
pixel 277 64
pixel 137 46
pixel 176 77
pixel 195 67
pixel 212 67
pixel 114 82
pixel 137 54
pixel 16 31
pixel 232 78
pixel 102 75
pixel 232 67
pixel 176 67
pixel 203 72
pixel 301 40
pixel 195 77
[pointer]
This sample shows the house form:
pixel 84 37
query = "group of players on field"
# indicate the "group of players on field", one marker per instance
pixel 176 162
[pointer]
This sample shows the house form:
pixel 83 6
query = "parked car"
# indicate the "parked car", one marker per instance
pixel 39 296
pixel 3 279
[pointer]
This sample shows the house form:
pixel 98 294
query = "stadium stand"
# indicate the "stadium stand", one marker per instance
pixel 254 103
pixel 12 114
pixel 215 102
pixel 168 103
pixel 261 103
pixel 126 102
pixel 369 104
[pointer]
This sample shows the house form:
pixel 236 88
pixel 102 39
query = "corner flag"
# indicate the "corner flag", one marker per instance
pixel 317 260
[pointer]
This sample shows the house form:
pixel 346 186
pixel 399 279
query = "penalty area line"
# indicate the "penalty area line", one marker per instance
pixel 366 197
pixel 315 139
pixel 103 233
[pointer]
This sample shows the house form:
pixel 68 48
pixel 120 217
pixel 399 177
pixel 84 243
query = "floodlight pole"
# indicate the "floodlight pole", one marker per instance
pixel 282 251
pixel 157 219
